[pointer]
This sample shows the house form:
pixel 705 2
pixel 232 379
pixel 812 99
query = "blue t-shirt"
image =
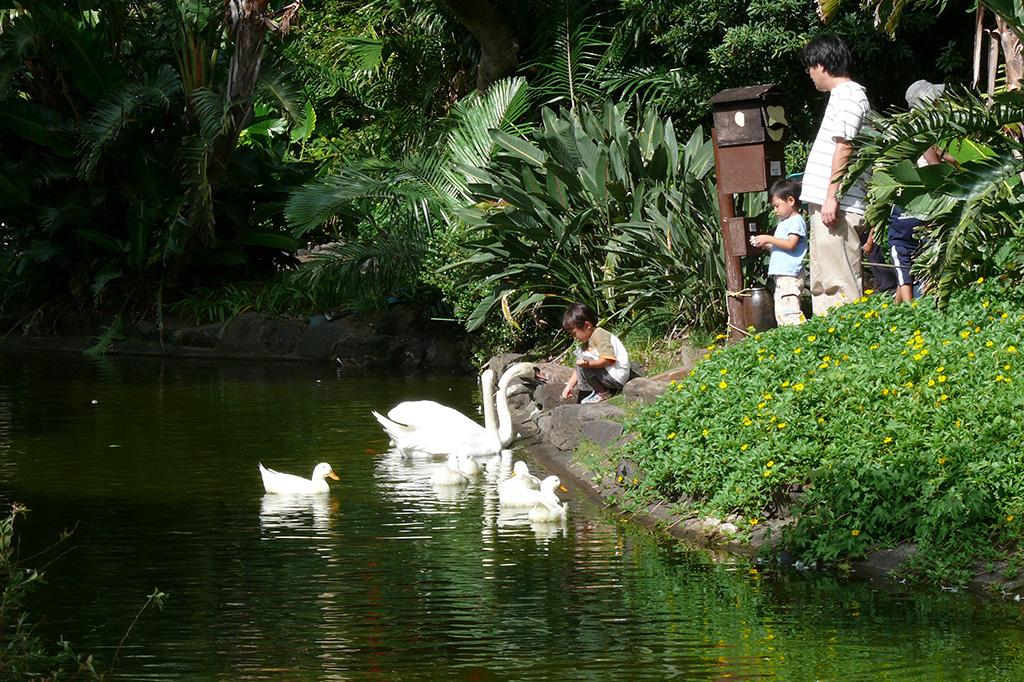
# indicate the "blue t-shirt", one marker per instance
pixel 784 262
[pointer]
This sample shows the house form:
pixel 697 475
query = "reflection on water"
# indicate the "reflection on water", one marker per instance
pixel 388 577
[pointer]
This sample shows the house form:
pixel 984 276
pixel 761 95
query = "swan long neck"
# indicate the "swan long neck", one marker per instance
pixel 487 398
pixel 504 429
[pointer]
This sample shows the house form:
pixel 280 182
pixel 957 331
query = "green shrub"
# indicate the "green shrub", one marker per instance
pixel 596 208
pixel 900 423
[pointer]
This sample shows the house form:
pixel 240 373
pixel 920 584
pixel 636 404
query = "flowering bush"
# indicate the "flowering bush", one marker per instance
pixel 898 423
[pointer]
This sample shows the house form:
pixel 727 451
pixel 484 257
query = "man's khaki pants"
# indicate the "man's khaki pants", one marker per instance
pixel 835 260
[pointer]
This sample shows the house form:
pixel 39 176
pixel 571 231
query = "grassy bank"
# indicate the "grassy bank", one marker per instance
pixel 896 424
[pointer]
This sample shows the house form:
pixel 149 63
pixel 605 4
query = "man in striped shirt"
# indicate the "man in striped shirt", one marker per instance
pixel 835 220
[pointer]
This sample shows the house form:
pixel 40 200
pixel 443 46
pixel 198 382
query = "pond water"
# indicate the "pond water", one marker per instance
pixel 385 578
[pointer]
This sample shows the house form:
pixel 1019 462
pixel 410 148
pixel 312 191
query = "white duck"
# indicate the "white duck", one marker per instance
pixel 522 489
pixel 431 428
pixel 548 509
pixel 468 466
pixel 448 473
pixel 289 484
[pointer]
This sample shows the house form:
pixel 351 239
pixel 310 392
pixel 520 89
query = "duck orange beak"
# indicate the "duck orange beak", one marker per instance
pixel 563 488
pixel 331 474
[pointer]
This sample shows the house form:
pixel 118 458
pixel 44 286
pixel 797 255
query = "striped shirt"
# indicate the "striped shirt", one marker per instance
pixel 847 108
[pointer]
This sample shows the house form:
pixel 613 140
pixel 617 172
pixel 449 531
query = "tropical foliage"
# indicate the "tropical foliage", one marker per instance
pixel 896 424
pixel 119 171
pixel 588 210
pixel 973 206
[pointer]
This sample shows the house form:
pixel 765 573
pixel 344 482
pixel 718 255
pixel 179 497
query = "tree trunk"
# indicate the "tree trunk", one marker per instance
pixel 1011 53
pixel 499 47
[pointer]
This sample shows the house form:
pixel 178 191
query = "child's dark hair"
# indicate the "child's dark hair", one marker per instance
pixel 576 315
pixel 784 189
pixel 830 52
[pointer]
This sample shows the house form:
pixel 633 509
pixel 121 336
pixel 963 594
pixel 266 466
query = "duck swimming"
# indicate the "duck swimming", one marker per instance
pixel 289 484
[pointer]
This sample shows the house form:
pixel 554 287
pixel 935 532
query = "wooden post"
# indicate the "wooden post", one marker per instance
pixel 733 266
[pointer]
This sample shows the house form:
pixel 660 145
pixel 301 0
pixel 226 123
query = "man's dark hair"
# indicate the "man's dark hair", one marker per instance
pixel 576 315
pixel 784 189
pixel 829 51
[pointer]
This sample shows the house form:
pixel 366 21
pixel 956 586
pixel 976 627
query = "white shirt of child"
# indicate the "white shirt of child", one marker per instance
pixel 789 263
pixel 845 114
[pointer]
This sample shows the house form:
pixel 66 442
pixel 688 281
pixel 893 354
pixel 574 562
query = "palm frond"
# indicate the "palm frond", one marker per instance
pixel 124 106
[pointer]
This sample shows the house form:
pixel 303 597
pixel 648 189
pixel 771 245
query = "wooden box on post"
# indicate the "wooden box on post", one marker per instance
pixel 749 126
pixel 738 232
pixel 749 123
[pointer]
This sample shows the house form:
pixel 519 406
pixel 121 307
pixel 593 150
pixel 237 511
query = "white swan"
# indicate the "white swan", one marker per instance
pixel 522 489
pixel 288 484
pixel 548 509
pixel 448 474
pixel 431 428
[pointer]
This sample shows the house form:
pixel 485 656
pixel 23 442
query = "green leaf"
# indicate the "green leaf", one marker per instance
pixel 519 148
pixel 103 239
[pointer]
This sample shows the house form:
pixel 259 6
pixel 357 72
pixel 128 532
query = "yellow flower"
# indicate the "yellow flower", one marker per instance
pixel 761 405
pixel 984 304
pixel 885 391
pixel 767 396
pixel 942 378
pixel 766 474
pixel 671 435
pixel 1011 349
pixel 999 377
pixel 1009 518
pixel 989 344
pixel 1006 367
pixel 811 338
pixel 887 440
pixel 831 330
pixel 873 346
pixel 620 479
pixel 909 384
pixel 770 463
pixel 785 384
pixel 703 387
pixel 760 351
pixel 1004 316
pixel 720 337
pixel 942 460
pixel 892 329
pixel 868 292
pixel 635 481
pixel 705 433
pixel 753 522
pixel 747 421
pixel 798 387
pixel 918 356
pixel 980 280
pixel 723 385
pixel 798 350
pixel 781 425
pixel 970 354
pixel 957 423
pixel 723 371
pixel 744 447
pixel 931 382
pixel 964 334
pixel 854 532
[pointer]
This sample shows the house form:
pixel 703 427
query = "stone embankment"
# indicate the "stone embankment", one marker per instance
pixel 400 338
pixel 553 430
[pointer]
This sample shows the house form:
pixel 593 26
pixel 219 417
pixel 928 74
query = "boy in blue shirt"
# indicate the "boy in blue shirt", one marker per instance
pixel 788 246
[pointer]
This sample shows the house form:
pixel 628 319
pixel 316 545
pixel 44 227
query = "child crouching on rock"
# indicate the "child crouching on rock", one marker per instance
pixel 602 363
